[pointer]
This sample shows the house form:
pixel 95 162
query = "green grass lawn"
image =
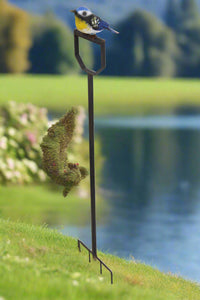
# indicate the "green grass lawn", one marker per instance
pixel 113 96
pixel 43 205
pixel 38 263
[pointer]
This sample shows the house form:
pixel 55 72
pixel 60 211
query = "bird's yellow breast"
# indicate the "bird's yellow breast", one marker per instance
pixel 80 24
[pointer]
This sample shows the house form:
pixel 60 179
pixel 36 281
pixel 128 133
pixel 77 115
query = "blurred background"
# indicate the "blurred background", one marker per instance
pixel 147 118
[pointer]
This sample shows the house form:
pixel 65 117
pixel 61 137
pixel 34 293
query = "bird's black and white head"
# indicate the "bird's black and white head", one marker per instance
pixel 82 12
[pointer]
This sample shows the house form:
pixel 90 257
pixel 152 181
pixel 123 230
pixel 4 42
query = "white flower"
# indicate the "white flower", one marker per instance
pixel 8 242
pixel 41 175
pixel 78 139
pixel 26 259
pixel 50 123
pixel 20 259
pixel 76 275
pixel 13 144
pixel 2 298
pixel 101 278
pixel 24 119
pixel 32 108
pixel 11 163
pixel 90 280
pixel 8 174
pixel 43 111
pixel 3 143
pixel 81 116
pixel 82 193
pixel 11 131
pixel 17 174
pixel 31 165
pixel 75 282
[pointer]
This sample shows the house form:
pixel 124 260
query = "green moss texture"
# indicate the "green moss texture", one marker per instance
pixel 55 160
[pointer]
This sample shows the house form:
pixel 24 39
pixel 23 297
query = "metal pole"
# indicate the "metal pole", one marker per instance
pixel 91 73
pixel 92 163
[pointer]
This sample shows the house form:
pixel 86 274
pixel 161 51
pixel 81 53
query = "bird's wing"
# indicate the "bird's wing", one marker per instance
pixel 97 23
pixel 103 24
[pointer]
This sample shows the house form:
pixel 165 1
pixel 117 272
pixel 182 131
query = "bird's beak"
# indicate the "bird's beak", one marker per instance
pixel 73 10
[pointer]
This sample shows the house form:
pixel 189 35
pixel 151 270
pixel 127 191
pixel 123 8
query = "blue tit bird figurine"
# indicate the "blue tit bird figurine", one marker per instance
pixel 89 23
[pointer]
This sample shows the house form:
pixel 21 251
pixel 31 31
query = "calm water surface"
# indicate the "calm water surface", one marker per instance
pixel 151 181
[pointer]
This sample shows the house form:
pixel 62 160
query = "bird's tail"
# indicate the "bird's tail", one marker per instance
pixel 112 30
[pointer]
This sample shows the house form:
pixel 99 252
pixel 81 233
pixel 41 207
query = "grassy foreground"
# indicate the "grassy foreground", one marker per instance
pixel 38 263
pixel 113 96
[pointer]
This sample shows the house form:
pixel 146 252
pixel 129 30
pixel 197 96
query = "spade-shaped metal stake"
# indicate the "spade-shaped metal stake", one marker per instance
pixel 91 73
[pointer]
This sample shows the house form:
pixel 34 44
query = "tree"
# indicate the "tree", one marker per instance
pixel 52 51
pixel 172 14
pixel 188 38
pixel 14 39
pixel 189 9
pixel 145 47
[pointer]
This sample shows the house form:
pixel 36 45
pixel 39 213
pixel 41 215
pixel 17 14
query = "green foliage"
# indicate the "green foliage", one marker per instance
pixel 188 36
pixel 146 47
pixel 53 47
pixel 55 160
pixel 151 48
pixel 14 39
pixel 21 127
pixel 186 25
pixel 189 9
pixel 172 14
pixel 39 263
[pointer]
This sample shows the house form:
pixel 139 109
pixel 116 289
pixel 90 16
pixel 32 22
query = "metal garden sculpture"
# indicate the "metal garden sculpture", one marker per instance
pixel 91 73
pixel 59 136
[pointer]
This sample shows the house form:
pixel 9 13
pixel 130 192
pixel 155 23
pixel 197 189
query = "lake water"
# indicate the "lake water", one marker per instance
pixel 151 181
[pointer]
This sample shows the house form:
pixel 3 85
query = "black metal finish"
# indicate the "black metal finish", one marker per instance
pixel 93 39
pixel 100 261
pixel 91 73
pixel 92 164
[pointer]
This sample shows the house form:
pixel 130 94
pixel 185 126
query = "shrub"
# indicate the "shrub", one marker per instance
pixel 20 134
pixel 22 127
pixel 151 48
pixel 52 51
pixel 15 39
